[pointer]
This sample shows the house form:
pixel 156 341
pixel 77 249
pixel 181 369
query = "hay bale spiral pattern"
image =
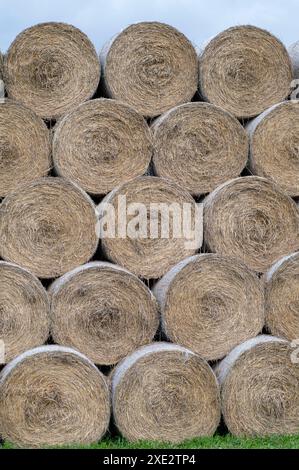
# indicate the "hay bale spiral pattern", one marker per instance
pixel 245 70
pixel 222 301
pixel 151 66
pixel 165 393
pixel 102 144
pixel 282 297
pixel 24 146
pixel 249 218
pixel 199 146
pixel 24 310
pixel 103 311
pixel 259 388
pixel 146 256
pixel 52 396
pixel 51 68
pixel 274 146
pixel 48 227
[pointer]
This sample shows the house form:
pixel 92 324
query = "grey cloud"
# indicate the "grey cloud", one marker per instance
pixel 198 19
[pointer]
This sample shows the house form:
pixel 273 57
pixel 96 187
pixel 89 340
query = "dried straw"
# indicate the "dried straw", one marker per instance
pixel 222 303
pixel 147 256
pixel 103 311
pixel 53 396
pixel 274 145
pixel 151 66
pixel 199 146
pixel 282 297
pixel 48 227
pixel 24 146
pixel 259 388
pixel 24 311
pixel 245 70
pixel 249 218
pixel 102 144
pixel 165 393
pixel 51 68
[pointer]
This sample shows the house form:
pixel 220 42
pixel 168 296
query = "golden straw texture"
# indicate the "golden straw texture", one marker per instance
pixel 151 66
pixel 51 68
pixel 282 297
pixel 251 219
pixel 24 146
pixel 260 388
pixel 52 396
pixel 103 311
pixel 146 253
pixel 210 304
pixel 101 144
pixel 199 146
pixel 166 393
pixel 48 227
pixel 245 70
pixel 274 144
pixel 24 310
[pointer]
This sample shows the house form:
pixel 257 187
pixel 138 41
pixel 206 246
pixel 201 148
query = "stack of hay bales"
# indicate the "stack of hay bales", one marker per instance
pixel 158 309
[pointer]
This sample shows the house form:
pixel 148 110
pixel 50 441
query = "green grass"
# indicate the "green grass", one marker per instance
pixel 216 442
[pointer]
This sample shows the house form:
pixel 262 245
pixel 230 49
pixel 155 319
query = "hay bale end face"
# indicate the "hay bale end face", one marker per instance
pixel 151 66
pixel 165 393
pixel 102 144
pixel 222 303
pixel 245 70
pixel 248 218
pixel 282 296
pixel 199 146
pixel 259 388
pixel 51 68
pixel 53 396
pixel 48 226
pixel 24 146
pixel 103 311
pixel 274 146
pixel 24 311
pixel 141 250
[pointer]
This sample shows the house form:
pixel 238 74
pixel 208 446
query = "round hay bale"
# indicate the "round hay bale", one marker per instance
pixel 199 146
pixel 48 227
pixel 24 146
pixel 166 393
pixel 51 68
pixel 103 311
pixel 249 218
pixel 222 301
pixel 274 146
pixel 245 70
pixel 147 253
pixel 24 311
pixel 151 66
pixel 259 388
pixel 102 144
pixel 52 396
pixel 282 297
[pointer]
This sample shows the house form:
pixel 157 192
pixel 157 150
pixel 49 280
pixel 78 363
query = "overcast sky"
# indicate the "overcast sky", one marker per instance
pixel 198 19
